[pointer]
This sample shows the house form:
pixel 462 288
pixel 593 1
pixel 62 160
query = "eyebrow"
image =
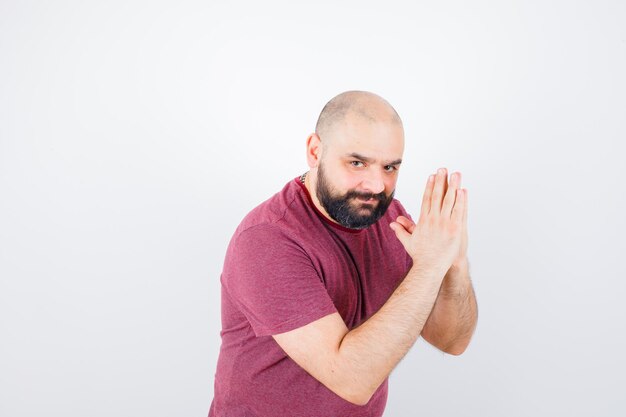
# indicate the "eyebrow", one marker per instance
pixel 370 160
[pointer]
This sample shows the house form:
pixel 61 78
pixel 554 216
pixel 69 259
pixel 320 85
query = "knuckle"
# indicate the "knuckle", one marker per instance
pixel 455 227
pixel 449 225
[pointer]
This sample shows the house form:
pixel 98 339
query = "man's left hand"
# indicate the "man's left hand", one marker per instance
pixel 461 262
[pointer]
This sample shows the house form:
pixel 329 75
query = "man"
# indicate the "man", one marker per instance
pixel 327 284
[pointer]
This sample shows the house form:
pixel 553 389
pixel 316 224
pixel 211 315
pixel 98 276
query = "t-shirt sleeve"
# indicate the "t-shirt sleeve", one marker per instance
pixel 273 282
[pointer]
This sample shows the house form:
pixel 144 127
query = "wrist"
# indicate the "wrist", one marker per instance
pixel 435 270
pixel 460 265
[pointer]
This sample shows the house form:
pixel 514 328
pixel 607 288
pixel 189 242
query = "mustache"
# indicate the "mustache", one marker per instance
pixel 364 195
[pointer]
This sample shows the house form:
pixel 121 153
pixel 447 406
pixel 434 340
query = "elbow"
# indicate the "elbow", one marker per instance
pixel 456 349
pixel 356 398
pixel 354 392
pixel 356 401
pixel 354 381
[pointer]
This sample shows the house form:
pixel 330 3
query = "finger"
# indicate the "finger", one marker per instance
pixel 450 196
pixel 401 233
pixel 436 200
pixel 465 206
pixel 428 192
pixel 465 212
pixel 459 206
pixel 406 223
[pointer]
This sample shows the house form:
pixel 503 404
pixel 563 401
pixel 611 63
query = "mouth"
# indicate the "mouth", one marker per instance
pixel 366 203
pixel 366 200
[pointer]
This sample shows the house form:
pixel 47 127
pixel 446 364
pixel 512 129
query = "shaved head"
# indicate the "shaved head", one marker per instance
pixel 354 105
pixel 354 156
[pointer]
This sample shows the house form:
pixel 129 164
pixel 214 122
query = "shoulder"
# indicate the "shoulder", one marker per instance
pixel 281 221
pixel 269 215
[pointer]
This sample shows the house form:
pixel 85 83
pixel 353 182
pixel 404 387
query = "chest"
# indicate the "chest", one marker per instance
pixel 359 272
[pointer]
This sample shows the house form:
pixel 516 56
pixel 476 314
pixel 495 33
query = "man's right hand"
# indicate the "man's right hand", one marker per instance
pixel 434 242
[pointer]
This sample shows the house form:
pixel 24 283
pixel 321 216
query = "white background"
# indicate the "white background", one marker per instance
pixel 135 135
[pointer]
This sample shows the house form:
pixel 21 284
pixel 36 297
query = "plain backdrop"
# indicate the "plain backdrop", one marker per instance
pixel 135 135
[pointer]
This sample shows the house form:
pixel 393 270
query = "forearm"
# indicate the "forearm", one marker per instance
pixel 454 315
pixel 369 352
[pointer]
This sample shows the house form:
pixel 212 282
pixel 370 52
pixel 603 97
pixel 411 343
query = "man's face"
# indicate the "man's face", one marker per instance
pixel 352 209
pixel 357 174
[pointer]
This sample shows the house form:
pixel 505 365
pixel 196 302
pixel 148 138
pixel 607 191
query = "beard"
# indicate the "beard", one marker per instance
pixel 346 209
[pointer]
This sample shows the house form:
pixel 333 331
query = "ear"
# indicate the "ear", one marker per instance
pixel 313 150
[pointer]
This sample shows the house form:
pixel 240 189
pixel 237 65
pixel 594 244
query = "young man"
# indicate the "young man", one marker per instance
pixel 327 284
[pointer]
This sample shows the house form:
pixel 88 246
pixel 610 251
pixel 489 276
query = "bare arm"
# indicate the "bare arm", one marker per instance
pixel 453 319
pixel 354 363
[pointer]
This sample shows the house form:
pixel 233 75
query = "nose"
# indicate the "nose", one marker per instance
pixel 373 182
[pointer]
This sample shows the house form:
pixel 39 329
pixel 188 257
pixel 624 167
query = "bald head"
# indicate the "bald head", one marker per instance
pixel 354 156
pixel 361 106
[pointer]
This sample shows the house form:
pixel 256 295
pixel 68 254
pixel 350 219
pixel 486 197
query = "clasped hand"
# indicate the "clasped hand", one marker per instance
pixel 439 238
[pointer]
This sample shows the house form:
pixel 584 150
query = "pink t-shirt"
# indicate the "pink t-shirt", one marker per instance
pixel 287 266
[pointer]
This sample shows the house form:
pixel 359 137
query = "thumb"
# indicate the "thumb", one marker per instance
pixel 401 233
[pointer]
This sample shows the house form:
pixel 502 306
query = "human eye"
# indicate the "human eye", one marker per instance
pixel 390 168
pixel 356 164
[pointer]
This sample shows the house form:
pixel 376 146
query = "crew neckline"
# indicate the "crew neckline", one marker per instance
pixel 320 214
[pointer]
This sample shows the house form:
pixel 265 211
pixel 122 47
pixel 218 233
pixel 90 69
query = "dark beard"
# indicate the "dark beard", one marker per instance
pixel 344 213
